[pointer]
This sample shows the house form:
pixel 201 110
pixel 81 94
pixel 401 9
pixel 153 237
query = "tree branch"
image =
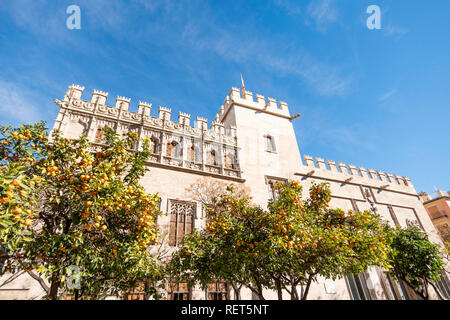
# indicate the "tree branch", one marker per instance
pixel 40 280
pixel 12 278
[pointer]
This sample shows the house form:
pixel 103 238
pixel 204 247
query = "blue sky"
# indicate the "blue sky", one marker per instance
pixel 373 98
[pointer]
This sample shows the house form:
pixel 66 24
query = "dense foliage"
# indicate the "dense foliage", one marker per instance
pixel 286 246
pixel 415 260
pixel 64 203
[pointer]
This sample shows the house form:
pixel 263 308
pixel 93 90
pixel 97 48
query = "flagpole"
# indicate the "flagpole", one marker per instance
pixel 242 87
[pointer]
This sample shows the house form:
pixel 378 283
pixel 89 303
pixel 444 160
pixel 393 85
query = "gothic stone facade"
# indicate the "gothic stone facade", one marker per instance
pixel 252 142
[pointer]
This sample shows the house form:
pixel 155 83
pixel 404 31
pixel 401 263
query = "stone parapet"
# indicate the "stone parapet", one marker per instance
pixel 269 105
pixel 356 175
pixel 98 107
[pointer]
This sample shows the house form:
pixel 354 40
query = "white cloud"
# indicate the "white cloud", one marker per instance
pixel 288 7
pixel 176 26
pixel 324 79
pixel 29 15
pixel 18 104
pixel 394 31
pixel 323 130
pixel 324 13
pixel 386 96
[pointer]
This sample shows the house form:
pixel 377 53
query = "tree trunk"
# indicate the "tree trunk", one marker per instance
pixel 237 294
pixel 237 291
pixel 147 284
pixel 420 293
pixel 437 291
pixel 40 280
pixel 279 290
pixel 258 292
pixel 308 284
pixel 293 292
pixel 54 286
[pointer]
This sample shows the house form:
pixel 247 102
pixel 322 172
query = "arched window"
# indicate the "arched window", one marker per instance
pixel 191 154
pixel 194 153
pixel 173 149
pixel 154 145
pixel 212 158
pixel 230 162
pixel 99 135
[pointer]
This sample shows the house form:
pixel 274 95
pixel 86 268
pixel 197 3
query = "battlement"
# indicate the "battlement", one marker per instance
pixel 319 167
pixel 76 86
pixel 184 118
pixel 144 108
pixel 123 99
pixel 75 91
pixel 202 123
pixel 271 105
pixel 122 103
pixel 145 104
pixel 165 109
pixel 120 109
pixel 100 93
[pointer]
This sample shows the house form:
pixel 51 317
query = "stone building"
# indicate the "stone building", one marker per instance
pixel 251 142
pixel 438 207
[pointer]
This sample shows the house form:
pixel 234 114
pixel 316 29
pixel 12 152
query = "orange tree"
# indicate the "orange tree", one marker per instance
pixel 309 239
pixel 18 151
pixel 286 246
pixel 227 249
pixel 416 260
pixel 77 206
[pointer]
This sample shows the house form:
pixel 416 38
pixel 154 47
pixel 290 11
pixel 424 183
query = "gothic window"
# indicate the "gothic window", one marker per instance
pixel 178 291
pixel 212 158
pixel 397 288
pixel 217 291
pixel 182 214
pixel 270 143
pixel 444 285
pixel 358 286
pixel 191 154
pixel 99 135
pixel 194 153
pixel 154 145
pixel 230 162
pixel 271 182
pixel 171 148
